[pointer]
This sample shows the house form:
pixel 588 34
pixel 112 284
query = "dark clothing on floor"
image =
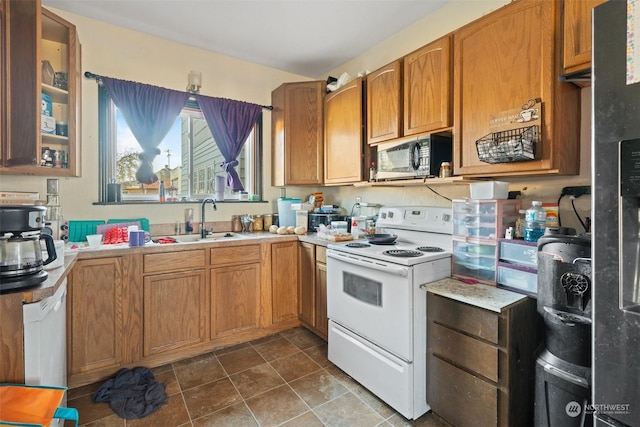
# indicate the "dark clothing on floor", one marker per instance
pixel 132 393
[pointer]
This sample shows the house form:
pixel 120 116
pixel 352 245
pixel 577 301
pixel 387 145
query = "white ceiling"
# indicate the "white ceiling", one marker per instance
pixel 305 37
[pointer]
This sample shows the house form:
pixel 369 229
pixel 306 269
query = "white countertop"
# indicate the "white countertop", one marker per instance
pixel 479 295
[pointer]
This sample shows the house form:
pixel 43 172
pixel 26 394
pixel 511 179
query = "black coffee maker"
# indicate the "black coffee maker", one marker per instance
pixel 21 263
pixel 563 368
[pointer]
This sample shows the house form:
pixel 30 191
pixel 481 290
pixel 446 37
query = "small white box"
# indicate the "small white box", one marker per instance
pixel 48 124
pixel 489 190
pixel 302 219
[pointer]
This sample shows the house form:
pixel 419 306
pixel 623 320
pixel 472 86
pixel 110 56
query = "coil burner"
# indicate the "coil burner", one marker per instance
pixel 429 249
pixel 358 245
pixel 402 253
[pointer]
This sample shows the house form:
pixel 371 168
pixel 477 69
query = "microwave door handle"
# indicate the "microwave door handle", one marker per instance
pixel 415 156
pixel 395 270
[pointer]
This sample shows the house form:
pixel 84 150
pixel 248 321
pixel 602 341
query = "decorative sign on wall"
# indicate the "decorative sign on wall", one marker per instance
pixel 633 41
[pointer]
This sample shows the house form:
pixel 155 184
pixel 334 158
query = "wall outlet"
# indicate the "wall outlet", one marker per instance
pixel 577 191
pixel 358 200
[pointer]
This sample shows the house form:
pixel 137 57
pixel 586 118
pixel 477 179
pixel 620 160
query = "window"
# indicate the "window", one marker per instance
pixel 188 162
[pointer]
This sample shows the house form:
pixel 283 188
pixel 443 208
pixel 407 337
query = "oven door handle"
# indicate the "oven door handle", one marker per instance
pixel 387 268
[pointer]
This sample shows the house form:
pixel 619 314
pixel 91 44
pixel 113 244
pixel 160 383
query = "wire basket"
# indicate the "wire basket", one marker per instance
pixel 514 145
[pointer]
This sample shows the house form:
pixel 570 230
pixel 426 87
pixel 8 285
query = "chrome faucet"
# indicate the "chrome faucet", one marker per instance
pixel 203 231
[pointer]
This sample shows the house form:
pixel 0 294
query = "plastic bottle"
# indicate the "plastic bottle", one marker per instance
pixel 535 218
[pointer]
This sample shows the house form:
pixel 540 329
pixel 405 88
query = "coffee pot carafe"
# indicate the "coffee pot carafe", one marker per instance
pixel 21 263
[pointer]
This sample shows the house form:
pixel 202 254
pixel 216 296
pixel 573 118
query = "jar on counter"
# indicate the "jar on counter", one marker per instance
pixel 258 223
pixel 267 221
pixel 236 224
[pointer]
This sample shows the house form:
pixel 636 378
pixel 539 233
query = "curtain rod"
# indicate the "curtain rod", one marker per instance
pixel 97 78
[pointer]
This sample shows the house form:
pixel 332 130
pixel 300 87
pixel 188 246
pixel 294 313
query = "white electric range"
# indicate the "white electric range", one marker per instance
pixel 377 308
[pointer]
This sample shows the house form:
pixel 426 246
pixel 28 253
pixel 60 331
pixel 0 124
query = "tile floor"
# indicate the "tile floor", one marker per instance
pixel 284 379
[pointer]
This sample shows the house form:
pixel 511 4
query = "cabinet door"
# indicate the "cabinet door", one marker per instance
pixel 306 283
pixel 343 141
pixel 34 35
pixel 95 315
pixel 297 139
pixel 427 88
pixel 235 299
pixel 384 103
pixel 284 281
pixel 577 34
pixel 502 60
pixel 175 311
pixel 321 318
pixel 22 82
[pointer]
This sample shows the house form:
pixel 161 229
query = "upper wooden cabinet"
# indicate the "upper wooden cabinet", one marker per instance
pixel 577 35
pixel 411 95
pixel 296 134
pixel 384 103
pixel 32 35
pixel 343 134
pixel 427 88
pixel 501 61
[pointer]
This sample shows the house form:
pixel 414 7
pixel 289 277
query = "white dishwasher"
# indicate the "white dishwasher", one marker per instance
pixel 45 343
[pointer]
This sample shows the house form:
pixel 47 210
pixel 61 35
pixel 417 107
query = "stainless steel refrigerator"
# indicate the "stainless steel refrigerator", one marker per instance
pixel 616 214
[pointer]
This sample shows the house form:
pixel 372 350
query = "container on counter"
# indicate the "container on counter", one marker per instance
pixel 536 218
pixel 267 221
pixel 236 224
pixel 258 223
pixel 302 219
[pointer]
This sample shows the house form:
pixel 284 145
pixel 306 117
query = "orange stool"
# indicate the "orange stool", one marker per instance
pixel 33 405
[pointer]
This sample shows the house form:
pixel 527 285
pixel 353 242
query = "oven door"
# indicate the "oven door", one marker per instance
pixel 373 299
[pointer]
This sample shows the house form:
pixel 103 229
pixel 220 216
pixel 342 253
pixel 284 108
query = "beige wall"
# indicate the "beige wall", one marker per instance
pixel 126 54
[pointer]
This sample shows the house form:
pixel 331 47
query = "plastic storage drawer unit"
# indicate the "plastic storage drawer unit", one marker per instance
pixel 518 278
pixel 519 252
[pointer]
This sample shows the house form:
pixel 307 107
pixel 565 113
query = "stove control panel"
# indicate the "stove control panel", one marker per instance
pixel 419 218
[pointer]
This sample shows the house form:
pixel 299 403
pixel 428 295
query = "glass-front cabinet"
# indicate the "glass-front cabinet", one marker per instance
pixel 41 102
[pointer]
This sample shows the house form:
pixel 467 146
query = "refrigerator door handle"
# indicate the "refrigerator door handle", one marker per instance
pixel 565 375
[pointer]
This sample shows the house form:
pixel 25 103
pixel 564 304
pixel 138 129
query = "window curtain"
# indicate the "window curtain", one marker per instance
pixel 150 111
pixel 230 123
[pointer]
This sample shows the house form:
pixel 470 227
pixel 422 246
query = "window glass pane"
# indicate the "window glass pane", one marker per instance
pixel 175 165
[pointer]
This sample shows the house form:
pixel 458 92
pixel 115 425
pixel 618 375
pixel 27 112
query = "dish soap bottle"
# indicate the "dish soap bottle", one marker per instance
pixel 161 192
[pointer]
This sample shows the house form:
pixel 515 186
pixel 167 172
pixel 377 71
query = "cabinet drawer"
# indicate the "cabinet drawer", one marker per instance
pixel 235 254
pixel 462 317
pixel 172 261
pixel 459 397
pixel 321 254
pixel 464 351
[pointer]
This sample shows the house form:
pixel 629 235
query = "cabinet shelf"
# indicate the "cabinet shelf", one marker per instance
pixel 57 95
pixel 417 182
pixel 54 139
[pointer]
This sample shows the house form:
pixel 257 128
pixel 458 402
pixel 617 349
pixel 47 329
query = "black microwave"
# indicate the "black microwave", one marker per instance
pixel 413 159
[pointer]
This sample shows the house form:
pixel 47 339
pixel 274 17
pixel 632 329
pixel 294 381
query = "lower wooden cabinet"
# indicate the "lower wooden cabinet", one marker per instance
pixel 321 318
pixel 312 288
pixel 480 363
pixel 95 321
pixel 284 279
pixel 157 307
pixel 235 290
pixel 307 284
pixel 175 311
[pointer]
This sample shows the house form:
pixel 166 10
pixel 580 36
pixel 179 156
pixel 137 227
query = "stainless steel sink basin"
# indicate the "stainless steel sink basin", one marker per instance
pixel 186 238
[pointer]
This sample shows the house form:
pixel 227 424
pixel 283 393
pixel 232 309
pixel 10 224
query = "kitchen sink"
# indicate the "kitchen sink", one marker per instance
pixel 186 238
